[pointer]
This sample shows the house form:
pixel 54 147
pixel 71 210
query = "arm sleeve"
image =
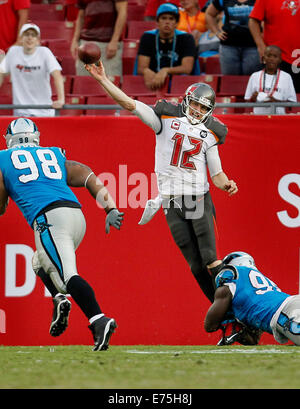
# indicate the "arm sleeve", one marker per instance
pixel 217 128
pixel 213 161
pixel 291 93
pixel 258 11
pixel 249 89
pixel 21 4
pixel 51 61
pixel 148 116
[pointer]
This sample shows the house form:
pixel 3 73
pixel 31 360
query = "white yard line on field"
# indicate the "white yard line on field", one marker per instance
pixel 217 351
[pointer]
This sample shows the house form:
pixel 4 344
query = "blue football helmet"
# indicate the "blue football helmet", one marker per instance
pixel 239 258
pixel 22 131
pixel 228 274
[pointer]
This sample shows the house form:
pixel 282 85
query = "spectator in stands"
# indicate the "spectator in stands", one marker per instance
pixel 281 22
pixel 165 50
pixel 103 22
pixel 152 6
pixel 270 84
pixel 30 67
pixel 13 15
pixel 191 19
pixel 238 52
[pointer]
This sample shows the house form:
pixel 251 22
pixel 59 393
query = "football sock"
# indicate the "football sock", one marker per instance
pixel 47 282
pixel 95 317
pixel 84 296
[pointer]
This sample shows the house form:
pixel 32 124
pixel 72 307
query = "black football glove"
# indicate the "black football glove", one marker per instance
pixel 113 218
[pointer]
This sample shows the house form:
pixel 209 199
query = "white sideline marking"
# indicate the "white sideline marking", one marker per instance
pixel 217 351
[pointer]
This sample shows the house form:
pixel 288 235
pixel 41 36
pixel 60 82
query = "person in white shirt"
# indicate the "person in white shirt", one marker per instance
pixel 187 139
pixel 30 66
pixel 270 84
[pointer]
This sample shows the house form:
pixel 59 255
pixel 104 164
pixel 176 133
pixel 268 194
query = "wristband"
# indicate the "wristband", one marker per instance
pixel 87 178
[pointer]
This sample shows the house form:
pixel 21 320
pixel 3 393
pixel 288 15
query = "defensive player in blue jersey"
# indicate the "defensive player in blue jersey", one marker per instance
pixel 38 178
pixel 254 300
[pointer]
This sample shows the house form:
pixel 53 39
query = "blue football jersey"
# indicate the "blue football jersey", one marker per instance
pixel 255 297
pixel 35 177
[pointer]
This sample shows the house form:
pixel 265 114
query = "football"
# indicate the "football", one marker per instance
pixel 89 53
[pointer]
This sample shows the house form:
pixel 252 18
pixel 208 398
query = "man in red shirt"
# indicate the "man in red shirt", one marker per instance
pixel 281 20
pixel 13 15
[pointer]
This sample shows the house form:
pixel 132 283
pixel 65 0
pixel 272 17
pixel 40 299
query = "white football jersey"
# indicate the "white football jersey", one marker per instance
pixel 180 157
pixel 183 151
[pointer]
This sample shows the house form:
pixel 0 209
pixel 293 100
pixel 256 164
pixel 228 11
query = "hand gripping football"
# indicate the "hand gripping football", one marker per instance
pixel 89 53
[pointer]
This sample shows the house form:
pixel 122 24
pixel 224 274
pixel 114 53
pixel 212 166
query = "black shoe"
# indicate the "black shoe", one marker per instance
pixel 102 329
pixel 60 318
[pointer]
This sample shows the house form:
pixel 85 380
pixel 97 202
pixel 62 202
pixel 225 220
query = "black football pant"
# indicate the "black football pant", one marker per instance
pixel 191 220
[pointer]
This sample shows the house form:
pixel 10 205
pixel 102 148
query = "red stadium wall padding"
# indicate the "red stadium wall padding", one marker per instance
pixel 139 276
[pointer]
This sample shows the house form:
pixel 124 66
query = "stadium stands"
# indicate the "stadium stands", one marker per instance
pixel 49 12
pixel 56 21
pixel 137 28
pixel 134 86
pixel 73 100
pixel 181 82
pixel 233 85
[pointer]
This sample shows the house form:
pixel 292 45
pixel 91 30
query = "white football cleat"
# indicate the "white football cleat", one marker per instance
pixel 151 208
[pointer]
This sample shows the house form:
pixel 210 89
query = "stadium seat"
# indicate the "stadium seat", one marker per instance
pixel 135 12
pixel 50 12
pixel 130 49
pixel 59 47
pixel 68 83
pixel 210 65
pixel 180 83
pixel 84 85
pixel 137 28
pixel 225 110
pixel 153 100
pixel 233 85
pixel 6 87
pixel 73 100
pixel 67 64
pixel 148 100
pixel 134 86
pixel 59 30
pixel 6 99
pixel 100 100
pixel 71 11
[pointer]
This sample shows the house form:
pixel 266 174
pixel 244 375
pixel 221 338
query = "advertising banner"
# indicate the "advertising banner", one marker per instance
pixel 138 274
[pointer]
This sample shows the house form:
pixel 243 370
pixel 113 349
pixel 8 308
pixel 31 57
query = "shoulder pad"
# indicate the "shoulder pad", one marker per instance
pixel 228 274
pixel 217 128
pixel 163 107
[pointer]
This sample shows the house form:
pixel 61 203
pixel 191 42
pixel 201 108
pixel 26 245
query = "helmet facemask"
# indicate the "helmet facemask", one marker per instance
pixel 22 131
pixel 202 94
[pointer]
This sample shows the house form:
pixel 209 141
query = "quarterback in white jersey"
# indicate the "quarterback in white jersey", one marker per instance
pixel 187 139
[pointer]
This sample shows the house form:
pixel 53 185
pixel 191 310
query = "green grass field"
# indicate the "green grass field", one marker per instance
pixel 146 367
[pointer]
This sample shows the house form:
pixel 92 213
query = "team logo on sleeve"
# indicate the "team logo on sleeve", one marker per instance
pixel 203 134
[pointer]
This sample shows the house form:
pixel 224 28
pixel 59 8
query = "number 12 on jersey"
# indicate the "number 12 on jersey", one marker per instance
pixel 185 157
